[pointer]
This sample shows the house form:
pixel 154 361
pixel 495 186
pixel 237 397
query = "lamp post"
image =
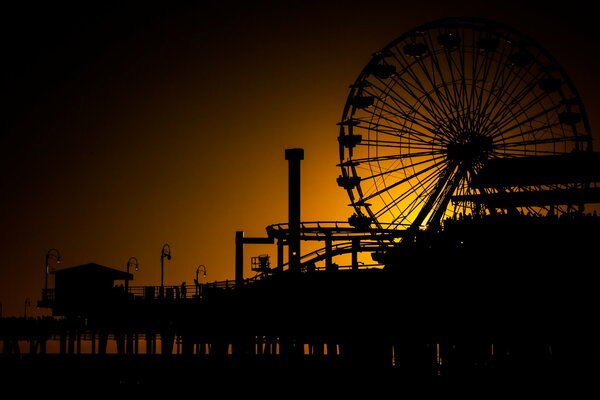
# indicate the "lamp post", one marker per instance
pixel 50 254
pixel 27 304
pixel 132 262
pixel 165 253
pixel 202 268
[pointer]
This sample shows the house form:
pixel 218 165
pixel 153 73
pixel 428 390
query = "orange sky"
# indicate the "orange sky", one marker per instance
pixel 127 128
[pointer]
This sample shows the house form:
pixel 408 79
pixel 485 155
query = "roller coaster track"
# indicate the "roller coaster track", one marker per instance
pixel 337 230
pixel 339 237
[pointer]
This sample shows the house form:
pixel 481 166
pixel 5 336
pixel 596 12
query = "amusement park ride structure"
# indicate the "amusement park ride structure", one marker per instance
pixel 466 153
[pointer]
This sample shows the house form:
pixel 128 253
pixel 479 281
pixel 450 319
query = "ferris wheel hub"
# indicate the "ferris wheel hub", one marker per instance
pixel 469 148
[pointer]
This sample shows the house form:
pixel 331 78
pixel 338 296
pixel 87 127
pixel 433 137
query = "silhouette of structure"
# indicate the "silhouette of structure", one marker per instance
pixel 466 154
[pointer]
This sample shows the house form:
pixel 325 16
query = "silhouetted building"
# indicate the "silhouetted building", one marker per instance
pixel 86 289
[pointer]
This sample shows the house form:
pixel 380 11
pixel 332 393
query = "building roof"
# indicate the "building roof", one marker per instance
pixel 96 270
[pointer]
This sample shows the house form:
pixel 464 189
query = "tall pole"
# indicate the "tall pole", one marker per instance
pixel 131 262
pixel 52 253
pixel 202 268
pixel 239 258
pixel 27 304
pixel 294 156
pixel 45 296
pixel 165 252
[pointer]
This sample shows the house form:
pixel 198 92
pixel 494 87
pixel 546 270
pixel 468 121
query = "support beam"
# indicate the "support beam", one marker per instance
pixel 355 250
pixel 239 258
pixel 280 255
pixel 328 252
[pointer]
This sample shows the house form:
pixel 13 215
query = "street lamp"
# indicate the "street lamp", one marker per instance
pixel 27 304
pixel 165 253
pixel 132 262
pixel 51 254
pixel 202 268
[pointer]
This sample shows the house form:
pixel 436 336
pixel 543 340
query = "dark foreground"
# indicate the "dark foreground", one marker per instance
pixel 94 374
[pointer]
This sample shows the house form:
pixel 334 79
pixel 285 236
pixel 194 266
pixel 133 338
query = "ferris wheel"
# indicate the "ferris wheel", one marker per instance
pixel 438 108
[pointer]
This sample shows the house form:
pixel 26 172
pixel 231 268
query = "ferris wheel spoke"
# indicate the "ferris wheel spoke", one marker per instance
pixel 430 116
pixel 448 101
pixel 483 117
pixel 530 133
pixel 425 124
pixel 499 84
pixel 456 71
pixel 547 118
pixel 479 66
pixel 464 75
pixel 411 206
pixel 526 146
pixel 434 108
pixel 413 136
pixel 520 123
pixel 396 157
pixel 407 178
pixel 455 81
pixel 483 95
pixel 443 105
pixel 412 198
pixel 507 121
pixel 408 142
pixel 502 115
pixel 506 112
pixel 427 165
pixel 399 109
